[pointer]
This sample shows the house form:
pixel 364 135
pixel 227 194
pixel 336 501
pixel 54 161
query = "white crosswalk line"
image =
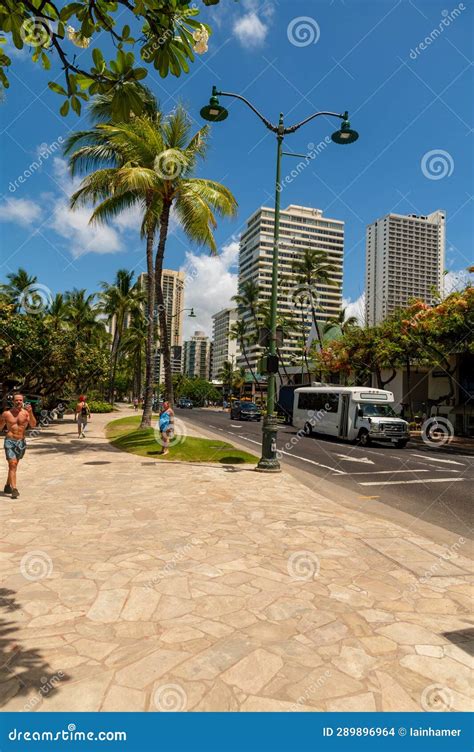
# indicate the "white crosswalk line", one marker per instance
pixel 439 459
pixel 407 482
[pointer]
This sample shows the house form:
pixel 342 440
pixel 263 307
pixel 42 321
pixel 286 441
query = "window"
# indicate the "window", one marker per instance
pixel 318 401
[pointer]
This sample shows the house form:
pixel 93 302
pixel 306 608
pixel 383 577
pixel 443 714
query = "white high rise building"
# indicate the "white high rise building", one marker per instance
pixel 301 227
pixel 404 260
pixel 173 294
pixel 197 356
pixel 223 347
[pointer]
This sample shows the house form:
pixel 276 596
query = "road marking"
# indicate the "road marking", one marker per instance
pixel 391 472
pixel 438 459
pixel 297 457
pixel 235 425
pixel 406 482
pixel 348 458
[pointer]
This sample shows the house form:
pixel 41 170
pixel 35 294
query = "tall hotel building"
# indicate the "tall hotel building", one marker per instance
pixel 173 294
pixel 405 260
pixel 301 227
pixel 224 348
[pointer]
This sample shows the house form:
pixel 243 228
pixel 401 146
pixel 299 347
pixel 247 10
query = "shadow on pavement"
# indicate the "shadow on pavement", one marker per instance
pixel 23 671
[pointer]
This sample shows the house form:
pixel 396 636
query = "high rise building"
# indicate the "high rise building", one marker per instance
pixel 173 293
pixel 404 260
pixel 197 356
pixel 223 347
pixel 301 227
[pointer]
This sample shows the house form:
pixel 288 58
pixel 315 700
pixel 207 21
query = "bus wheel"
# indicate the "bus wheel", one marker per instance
pixel 308 429
pixel 364 438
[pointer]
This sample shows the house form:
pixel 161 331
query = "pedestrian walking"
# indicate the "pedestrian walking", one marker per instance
pixel 82 414
pixel 16 420
pixel 166 425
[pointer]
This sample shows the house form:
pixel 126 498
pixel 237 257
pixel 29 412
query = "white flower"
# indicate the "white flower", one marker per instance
pixel 200 36
pixel 76 38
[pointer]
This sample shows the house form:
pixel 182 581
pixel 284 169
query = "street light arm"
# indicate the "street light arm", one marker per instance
pixel 264 120
pixel 294 128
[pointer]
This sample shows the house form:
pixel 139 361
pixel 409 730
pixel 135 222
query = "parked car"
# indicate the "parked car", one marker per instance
pixel 184 402
pixel 242 410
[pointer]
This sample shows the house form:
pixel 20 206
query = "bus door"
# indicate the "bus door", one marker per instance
pixel 343 421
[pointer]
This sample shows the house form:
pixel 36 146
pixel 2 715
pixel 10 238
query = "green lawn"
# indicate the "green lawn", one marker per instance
pixel 124 434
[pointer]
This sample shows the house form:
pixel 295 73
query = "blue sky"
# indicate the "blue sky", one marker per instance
pixel 296 56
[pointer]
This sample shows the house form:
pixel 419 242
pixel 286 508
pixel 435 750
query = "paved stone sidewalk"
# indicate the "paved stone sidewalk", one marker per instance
pixel 134 584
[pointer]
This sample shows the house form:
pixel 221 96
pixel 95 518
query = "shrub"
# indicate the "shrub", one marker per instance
pixel 96 406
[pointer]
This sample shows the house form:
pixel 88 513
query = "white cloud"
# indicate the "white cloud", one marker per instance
pixel 21 211
pixel 210 284
pixel 74 225
pixel 456 280
pixel 355 308
pixel 252 28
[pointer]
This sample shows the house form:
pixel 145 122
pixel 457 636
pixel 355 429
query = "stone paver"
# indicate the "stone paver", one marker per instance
pixel 133 584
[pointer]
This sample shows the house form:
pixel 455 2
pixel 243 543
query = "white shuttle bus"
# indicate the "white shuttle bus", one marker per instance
pixel 355 413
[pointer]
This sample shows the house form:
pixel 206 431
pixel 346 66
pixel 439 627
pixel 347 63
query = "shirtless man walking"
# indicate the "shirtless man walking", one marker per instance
pixel 17 419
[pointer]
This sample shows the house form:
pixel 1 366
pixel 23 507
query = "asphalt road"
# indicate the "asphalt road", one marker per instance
pixel 419 485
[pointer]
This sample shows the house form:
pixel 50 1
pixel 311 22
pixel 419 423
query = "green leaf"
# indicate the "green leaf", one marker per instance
pixel 76 105
pixel 98 57
pixel 64 108
pixel 45 61
pixel 140 73
pixel 57 88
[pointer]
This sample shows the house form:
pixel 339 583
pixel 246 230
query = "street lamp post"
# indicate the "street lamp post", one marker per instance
pixel 215 112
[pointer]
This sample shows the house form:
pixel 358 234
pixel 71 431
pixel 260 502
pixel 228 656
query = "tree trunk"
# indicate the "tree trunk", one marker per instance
pixel 254 377
pixel 113 359
pixel 164 341
pixel 150 331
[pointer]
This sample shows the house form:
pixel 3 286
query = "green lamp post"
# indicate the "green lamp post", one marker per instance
pixel 215 113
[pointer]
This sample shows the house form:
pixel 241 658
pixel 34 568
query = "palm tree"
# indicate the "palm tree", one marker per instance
pixel 226 375
pixel 312 269
pixel 56 314
pixel 18 282
pixel 341 321
pixel 81 313
pixel 134 348
pixel 239 379
pixel 118 301
pixel 248 299
pixel 238 331
pixel 153 163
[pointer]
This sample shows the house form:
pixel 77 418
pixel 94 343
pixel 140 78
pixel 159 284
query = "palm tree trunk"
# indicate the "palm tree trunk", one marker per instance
pixel 113 360
pixel 150 331
pixel 164 341
pixel 254 376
